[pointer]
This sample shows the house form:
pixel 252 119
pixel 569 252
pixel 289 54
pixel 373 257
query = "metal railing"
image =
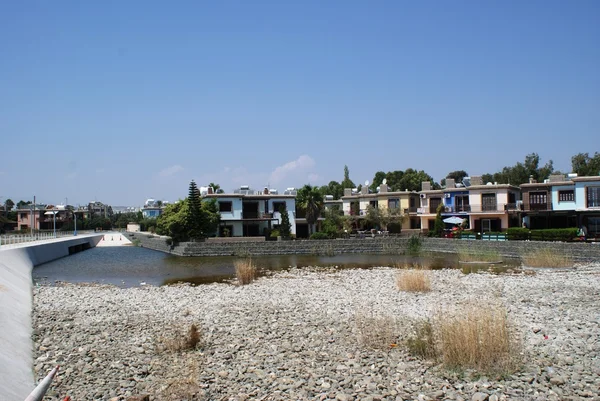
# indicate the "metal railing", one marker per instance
pixel 7 240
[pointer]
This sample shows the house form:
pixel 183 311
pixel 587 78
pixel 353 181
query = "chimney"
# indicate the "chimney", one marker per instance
pixel 347 191
pixel 450 183
pixel 531 180
pixel 476 180
pixel 210 190
pixel 364 190
pixel 557 178
pixel 383 188
pixel 425 186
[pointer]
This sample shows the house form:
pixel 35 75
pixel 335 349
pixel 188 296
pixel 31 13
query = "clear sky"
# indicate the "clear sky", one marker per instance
pixel 123 100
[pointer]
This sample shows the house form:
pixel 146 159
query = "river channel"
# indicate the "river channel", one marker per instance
pixel 129 266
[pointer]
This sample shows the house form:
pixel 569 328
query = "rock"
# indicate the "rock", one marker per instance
pixel 557 380
pixel 342 397
pixel 479 396
pixel 139 398
pixel 494 397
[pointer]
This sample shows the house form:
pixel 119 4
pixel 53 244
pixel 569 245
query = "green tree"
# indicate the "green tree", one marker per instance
pixel 334 188
pixel 438 227
pixel 521 172
pixel 347 182
pixel 9 204
pixel 584 165
pixel 194 216
pixel 285 227
pixel 21 204
pixel 210 217
pixel 412 179
pixel 377 180
pixel 310 200
pixel 174 221
pixel 215 187
pixel 457 176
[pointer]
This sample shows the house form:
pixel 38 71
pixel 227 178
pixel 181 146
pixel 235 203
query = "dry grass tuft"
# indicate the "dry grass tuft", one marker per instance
pixel 179 341
pixel 422 342
pixel 413 281
pixel 547 257
pixel 376 332
pixel 179 382
pixel 478 338
pixel 245 271
pixel 423 265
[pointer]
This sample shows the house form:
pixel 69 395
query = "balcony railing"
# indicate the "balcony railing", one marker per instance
pixel 488 208
pixel 538 207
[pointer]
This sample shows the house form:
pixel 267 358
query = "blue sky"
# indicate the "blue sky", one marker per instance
pixel 121 101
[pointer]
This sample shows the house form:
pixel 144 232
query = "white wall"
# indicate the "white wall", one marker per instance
pixel 16 263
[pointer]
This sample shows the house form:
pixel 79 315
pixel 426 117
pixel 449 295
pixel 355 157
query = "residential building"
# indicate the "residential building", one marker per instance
pixel 41 217
pixel 249 213
pixel 356 204
pixel 587 203
pixel 99 209
pixel 489 207
pixel 153 208
pixel 549 204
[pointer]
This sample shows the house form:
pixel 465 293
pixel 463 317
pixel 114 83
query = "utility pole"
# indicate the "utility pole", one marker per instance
pixel 33 217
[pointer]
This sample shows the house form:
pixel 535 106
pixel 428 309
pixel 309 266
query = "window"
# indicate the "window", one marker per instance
pixel 393 203
pixel 593 196
pixel 225 207
pixel 566 196
pixel 412 202
pixel 373 204
pixel 23 216
pixel 278 205
pixel 488 202
pixel 461 203
pixel 433 204
pixel 538 200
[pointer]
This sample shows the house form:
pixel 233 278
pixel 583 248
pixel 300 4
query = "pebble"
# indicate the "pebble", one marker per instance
pixel 295 335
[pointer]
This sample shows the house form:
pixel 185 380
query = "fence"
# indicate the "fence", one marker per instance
pixel 14 239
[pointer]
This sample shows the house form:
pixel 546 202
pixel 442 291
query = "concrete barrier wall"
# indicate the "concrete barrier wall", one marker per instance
pixel 16 264
pixel 391 245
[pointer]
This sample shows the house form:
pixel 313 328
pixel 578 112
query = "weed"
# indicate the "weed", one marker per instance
pixel 179 341
pixel 376 332
pixel 413 281
pixel 414 245
pixel 480 338
pixel 245 271
pixel 546 257
pixel 422 343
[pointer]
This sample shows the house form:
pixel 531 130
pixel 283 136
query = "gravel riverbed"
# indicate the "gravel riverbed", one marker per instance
pixel 294 336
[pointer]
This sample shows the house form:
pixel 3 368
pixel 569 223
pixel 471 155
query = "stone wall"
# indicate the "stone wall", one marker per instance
pixel 391 245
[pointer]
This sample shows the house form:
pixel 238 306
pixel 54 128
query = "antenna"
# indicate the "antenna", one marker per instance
pixel 384 181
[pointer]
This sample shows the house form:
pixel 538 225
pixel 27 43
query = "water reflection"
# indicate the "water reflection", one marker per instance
pixel 133 266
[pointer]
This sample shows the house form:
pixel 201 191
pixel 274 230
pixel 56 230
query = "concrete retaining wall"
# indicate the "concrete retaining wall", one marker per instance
pixel 391 245
pixel 16 301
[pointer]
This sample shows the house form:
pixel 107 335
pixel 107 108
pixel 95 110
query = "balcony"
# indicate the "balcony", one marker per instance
pixel 538 207
pixel 513 207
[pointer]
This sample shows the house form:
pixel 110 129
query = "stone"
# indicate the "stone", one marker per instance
pixel 479 396
pixel 144 397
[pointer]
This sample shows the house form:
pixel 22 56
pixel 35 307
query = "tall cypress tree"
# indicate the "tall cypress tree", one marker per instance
pixel 194 212
pixel 285 227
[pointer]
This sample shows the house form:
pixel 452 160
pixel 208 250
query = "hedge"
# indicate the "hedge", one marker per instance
pixel 552 234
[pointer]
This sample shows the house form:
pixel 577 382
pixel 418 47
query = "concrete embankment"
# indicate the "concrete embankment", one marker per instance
pixel 16 263
pixel 391 245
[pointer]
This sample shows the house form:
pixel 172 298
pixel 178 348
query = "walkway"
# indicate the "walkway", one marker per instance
pixel 114 239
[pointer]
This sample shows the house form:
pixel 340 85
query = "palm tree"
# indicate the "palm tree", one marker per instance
pixel 311 201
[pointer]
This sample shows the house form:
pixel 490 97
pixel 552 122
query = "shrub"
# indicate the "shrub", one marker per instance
pixel 320 235
pixel 169 241
pixel 376 332
pixel 422 342
pixel 180 342
pixel 245 271
pixel 275 234
pixel 413 281
pixel 546 257
pixel 414 245
pixel 553 234
pixel 480 338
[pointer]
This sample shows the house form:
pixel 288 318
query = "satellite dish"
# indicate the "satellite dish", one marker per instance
pixel 367 183
pixel 384 181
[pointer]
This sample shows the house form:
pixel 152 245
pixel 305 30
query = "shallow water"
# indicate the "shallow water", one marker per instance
pixel 135 266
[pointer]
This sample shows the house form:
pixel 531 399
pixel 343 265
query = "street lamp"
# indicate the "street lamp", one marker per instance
pixel 53 212
pixel 75 232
